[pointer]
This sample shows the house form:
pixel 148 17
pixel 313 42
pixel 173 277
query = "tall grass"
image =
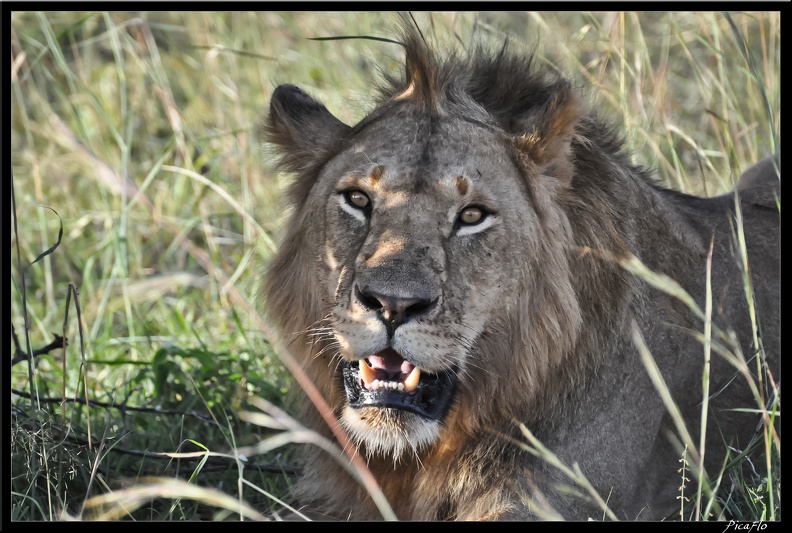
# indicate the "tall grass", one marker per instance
pixel 138 131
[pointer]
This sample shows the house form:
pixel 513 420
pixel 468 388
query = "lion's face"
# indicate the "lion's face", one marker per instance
pixel 418 260
pixel 423 242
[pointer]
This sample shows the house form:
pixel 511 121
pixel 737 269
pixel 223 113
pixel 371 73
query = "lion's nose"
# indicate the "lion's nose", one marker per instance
pixel 395 310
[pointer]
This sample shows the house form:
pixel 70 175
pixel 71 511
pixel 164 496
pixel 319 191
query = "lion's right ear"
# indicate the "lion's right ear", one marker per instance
pixel 303 129
pixel 548 130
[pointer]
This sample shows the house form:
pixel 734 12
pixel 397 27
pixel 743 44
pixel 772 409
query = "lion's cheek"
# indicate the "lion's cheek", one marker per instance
pixel 480 299
pixel 487 272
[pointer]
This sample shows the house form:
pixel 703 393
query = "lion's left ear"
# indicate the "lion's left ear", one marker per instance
pixel 548 131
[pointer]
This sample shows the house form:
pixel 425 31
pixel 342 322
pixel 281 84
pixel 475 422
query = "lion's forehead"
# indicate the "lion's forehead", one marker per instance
pixel 430 160
pixel 428 139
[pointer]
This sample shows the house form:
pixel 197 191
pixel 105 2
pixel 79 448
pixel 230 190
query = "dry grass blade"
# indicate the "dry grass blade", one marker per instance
pixel 120 503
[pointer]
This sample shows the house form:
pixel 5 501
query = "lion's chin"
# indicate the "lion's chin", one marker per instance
pixel 389 432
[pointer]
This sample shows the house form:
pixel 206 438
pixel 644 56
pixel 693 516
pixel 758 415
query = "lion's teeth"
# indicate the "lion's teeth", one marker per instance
pixel 412 380
pixel 366 373
pixel 370 381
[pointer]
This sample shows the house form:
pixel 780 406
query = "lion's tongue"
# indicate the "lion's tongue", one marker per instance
pixel 388 366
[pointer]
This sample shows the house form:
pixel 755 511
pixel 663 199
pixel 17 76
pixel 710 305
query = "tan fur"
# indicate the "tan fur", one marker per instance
pixel 528 308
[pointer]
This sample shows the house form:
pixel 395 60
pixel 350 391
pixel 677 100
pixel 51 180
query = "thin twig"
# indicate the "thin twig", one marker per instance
pixel 84 363
pixel 123 407
pixel 20 355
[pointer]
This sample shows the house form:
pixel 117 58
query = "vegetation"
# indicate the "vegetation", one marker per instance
pixel 145 209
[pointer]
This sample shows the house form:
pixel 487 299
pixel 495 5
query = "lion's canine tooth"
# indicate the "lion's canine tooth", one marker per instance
pixel 412 380
pixel 366 373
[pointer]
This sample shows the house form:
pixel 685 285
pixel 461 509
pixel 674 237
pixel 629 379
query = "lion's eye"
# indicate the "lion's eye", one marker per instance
pixel 472 215
pixel 357 199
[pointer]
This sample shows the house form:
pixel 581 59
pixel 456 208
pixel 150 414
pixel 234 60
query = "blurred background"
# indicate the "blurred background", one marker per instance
pixel 134 149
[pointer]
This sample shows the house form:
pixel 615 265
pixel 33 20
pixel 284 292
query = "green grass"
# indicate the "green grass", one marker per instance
pixel 138 131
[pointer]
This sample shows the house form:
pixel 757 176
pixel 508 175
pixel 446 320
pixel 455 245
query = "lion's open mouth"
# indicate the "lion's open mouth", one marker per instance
pixel 385 379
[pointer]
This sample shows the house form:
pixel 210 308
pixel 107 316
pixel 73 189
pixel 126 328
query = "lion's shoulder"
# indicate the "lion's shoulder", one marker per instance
pixel 760 184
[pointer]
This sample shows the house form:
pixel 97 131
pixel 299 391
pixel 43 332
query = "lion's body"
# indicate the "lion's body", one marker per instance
pixel 473 226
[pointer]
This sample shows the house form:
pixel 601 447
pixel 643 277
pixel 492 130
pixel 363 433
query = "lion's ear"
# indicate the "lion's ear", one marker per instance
pixel 548 130
pixel 302 128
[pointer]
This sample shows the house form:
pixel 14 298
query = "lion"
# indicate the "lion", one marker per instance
pixel 453 276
